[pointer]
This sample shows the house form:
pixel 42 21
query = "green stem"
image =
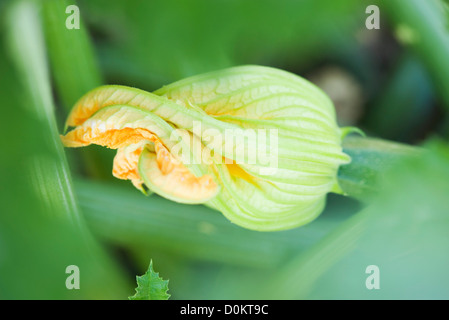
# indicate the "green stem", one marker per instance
pixel 370 159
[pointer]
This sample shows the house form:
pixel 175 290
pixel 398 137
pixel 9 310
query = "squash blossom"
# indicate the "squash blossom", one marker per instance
pixel 259 144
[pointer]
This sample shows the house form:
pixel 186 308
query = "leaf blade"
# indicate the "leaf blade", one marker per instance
pixel 150 286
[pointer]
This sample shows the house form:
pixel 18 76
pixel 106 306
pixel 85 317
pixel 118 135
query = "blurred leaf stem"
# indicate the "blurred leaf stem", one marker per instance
pixel 24 24
pixel 71 54
pixel 48 168
pixel 75 70
pixel 424 26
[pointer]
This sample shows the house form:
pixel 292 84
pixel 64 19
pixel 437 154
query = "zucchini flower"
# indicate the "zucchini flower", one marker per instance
pixel 259 144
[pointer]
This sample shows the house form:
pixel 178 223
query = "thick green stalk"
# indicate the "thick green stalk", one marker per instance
pixel 369 159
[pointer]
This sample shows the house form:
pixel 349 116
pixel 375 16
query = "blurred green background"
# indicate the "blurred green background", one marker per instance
pixel 62 207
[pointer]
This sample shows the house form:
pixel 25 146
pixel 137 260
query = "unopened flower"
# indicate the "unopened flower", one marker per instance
pixel 259 144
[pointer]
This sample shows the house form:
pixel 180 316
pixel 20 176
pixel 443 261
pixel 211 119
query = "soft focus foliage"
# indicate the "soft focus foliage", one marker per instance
pixel 395 78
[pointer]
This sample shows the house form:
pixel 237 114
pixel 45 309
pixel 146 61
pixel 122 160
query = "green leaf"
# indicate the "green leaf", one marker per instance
pixel 150 286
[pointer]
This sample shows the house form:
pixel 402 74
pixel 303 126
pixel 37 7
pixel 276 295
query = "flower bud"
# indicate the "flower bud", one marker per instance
pixel 259 144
